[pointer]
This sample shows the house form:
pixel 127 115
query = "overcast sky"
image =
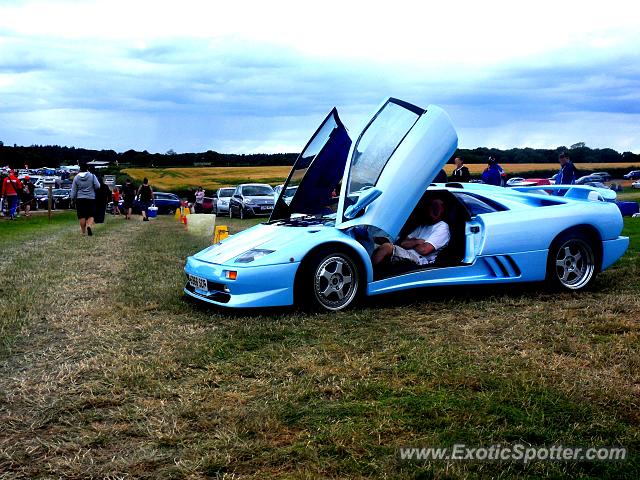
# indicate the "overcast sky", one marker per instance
pixel 259 76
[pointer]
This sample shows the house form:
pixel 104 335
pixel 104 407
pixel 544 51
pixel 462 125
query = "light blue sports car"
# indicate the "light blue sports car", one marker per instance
pixel 316 249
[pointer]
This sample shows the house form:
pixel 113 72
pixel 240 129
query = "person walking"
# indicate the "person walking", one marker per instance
pixel 28 189
pixel 129 196
pixel 146 198
pixel 11 190
pixel 115 198
pixel 83 192
pixel 103 196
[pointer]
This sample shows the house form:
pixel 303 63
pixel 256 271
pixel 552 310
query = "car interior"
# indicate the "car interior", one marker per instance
pixel 456 215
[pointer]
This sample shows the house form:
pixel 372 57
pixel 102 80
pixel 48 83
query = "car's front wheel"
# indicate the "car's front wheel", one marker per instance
pixel 571 262
pixel 330 281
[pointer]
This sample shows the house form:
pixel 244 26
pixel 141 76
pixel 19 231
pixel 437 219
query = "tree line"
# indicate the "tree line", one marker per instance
pixel 37 156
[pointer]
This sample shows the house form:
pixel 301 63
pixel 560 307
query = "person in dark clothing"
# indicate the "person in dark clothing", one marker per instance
pixel 146 198
pixel 461 173
pixel 441 177
pixel 492 175
pixel 128 196
pixel 28 189
pixel 567 173
pixel 103 196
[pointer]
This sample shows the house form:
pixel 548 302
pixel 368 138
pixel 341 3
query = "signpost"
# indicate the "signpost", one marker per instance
pixel 110 180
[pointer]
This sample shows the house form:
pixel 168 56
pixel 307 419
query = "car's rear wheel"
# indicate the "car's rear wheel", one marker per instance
pixel 571 262
pixel 330 280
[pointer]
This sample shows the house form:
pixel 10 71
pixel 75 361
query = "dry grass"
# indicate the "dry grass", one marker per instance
pixel 116 376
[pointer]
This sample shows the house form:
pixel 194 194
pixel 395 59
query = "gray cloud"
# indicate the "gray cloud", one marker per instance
pixel 194 95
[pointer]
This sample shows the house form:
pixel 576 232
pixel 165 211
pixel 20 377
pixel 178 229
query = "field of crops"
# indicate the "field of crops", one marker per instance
pixel 212 178
pixel 209 178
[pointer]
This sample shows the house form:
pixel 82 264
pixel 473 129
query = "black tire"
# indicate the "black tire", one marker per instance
pixel 330 280
pixel 572 262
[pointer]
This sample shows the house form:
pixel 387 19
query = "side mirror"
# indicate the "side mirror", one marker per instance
pixel 365 198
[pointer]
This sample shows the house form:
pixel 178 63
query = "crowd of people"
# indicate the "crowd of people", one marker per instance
pixel 88 193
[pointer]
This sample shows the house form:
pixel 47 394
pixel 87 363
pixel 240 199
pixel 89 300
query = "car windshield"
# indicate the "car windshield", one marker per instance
pixel 61 191
pixel 225 192
pixel 290 191
pixel 41 191
pixel 257 190
pixel 377 143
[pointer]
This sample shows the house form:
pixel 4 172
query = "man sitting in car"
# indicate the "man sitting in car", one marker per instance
pixel 421 246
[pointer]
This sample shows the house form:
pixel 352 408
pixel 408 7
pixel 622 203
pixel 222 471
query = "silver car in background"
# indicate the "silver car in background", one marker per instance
pixel 221 202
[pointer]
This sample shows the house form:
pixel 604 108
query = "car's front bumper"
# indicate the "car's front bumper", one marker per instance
pixel 255 286
pixel 257 210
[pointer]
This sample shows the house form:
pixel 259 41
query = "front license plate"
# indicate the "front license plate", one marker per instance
pixel 267 208
pixel 198 282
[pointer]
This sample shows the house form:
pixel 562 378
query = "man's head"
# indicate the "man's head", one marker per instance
pixel 435 210
pixel 563 157
pixel 458 161
pixel 83 166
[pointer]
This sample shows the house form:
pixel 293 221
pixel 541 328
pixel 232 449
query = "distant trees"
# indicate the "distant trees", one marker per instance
pixel 37 156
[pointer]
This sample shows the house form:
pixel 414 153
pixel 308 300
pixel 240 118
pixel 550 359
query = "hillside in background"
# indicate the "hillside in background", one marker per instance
pixel 37 156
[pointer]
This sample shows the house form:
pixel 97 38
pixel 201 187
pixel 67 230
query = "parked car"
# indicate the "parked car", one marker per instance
pixel 596 184
pixel 588 178
pixel 633 175
pixel 222 202
pixel 524 182
pixel 288 194
pixel 207 204
pixel 166 202
pixel 605 176
pixel 251 199
pixel 62 197
pixel 309 254
pixel 41 196
pixel 635 184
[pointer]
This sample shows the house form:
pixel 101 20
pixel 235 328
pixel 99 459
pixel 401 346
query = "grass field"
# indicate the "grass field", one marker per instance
pixel 107 372
pixel 212 178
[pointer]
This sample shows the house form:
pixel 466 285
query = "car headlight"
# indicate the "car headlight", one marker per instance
pixel 253 254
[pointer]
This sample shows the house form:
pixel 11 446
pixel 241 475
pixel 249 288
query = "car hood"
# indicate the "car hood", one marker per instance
pixel 259 198
pixel 270 237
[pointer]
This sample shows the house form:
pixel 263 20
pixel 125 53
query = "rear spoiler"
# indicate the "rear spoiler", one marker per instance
pixel 574 192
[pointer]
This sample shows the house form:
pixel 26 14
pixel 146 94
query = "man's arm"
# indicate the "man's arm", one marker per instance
pixel 411 243
pixel 424 248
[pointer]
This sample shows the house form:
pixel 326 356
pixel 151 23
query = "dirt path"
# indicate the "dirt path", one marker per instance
pixel 62 304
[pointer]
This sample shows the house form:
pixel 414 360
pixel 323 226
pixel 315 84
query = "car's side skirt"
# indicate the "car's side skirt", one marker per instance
pixel 512 267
